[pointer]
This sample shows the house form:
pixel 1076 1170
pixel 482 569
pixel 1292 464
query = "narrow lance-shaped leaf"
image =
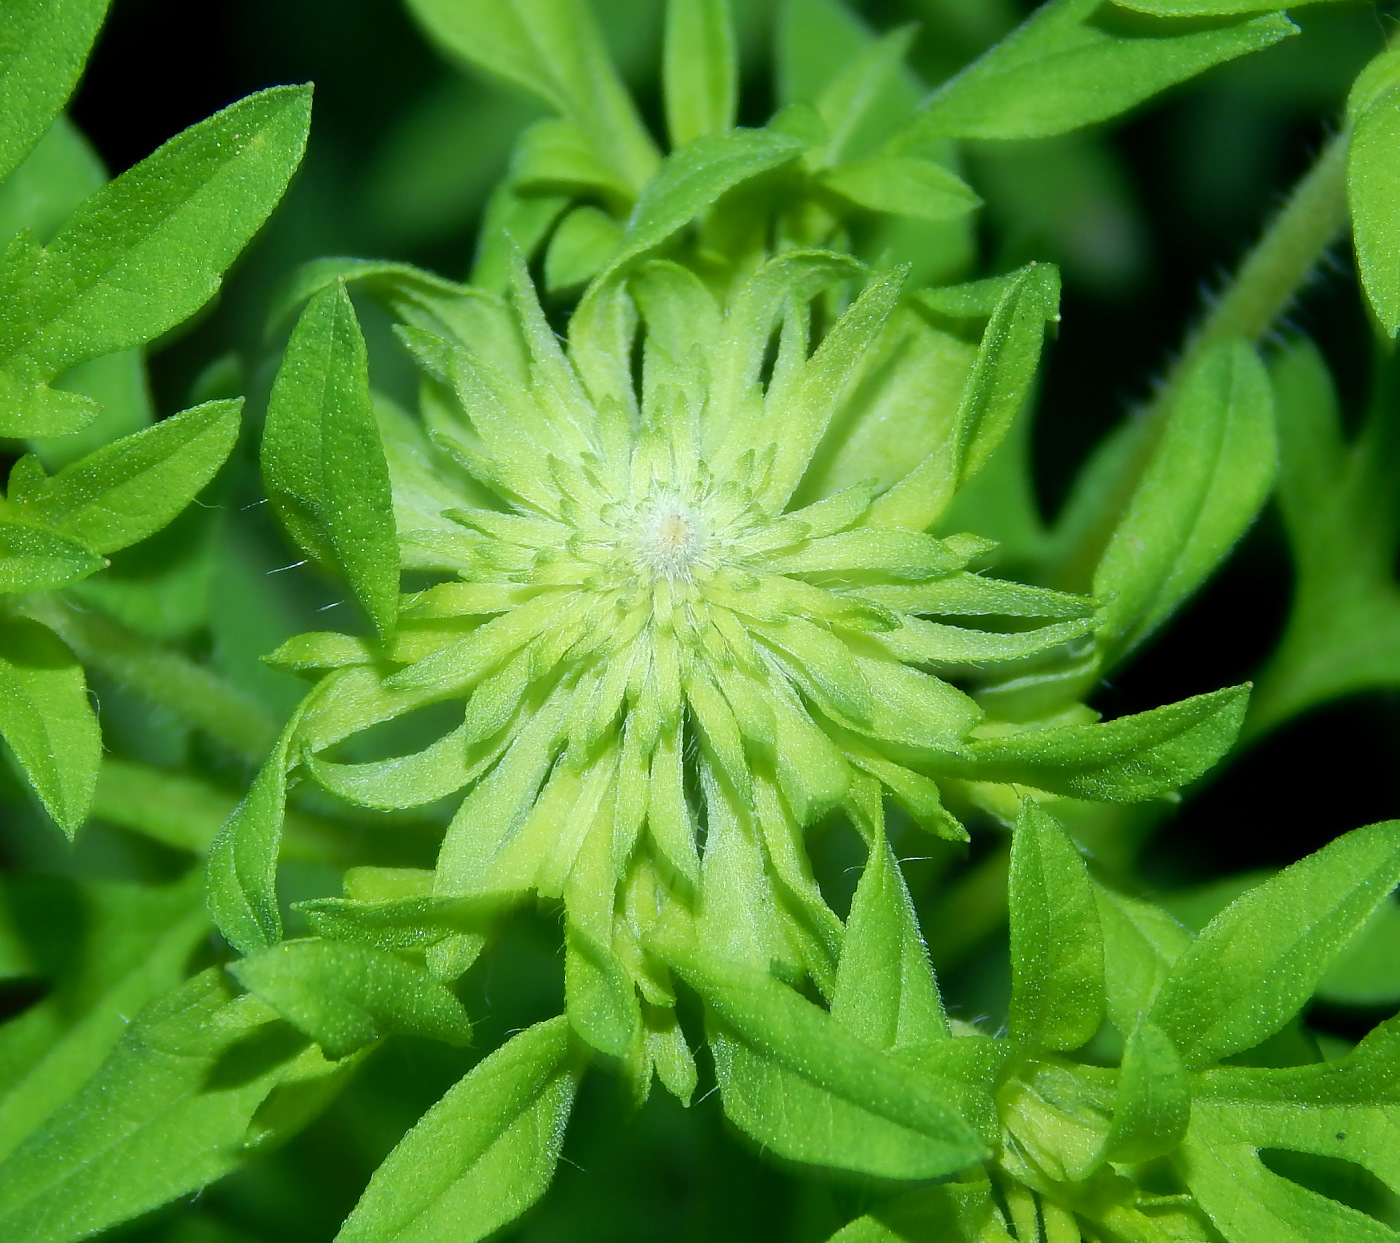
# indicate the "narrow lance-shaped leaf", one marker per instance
pixel 48 721
pixel 243 859
pixel 43 46
pixel 1208 8
pixel 323 461
pixel 148 249
pixel 1210 473
pixel 995 394
pixel 783 1027
pixel 479 1157
pixel 885 992
pixel 1057 961
pixel 347 996
pixel 1257 962
pixel 1075 62
pixel 1125 760
pixel 125 491
pixel 700 68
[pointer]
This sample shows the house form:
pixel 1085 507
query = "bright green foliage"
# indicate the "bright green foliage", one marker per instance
pixel 43 44
pixel 680 552
pixel 482 1155
pixel 1076 62
pixel 322 462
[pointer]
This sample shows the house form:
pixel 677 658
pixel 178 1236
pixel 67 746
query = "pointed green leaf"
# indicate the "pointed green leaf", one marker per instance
pixel 1057 958
pixel 996 391
pixel 33 558
pixel 346 996
pixel 1153 1104
pixel 691 180
pixel 43 46
pixel 149 248
pixel 885 991
pixel 1122 761
pixel 1073 63
pixel 1257 962
pixel 47 719
pixel 130 489
pixel 795 1036
pixel 1209 475
pixel 903 185
pixel 323 460
pixel 701 69
pixel 1141 942
pixel 1208 8
pixel 479 1157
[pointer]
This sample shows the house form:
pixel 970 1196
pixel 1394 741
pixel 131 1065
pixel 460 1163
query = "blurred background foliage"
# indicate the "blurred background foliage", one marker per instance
pixel 1145 217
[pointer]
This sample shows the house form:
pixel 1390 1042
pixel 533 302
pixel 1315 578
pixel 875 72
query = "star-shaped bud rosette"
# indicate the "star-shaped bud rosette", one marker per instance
pixel 679 632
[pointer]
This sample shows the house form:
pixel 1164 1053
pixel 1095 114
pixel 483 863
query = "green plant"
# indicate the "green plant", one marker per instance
pixel 674 562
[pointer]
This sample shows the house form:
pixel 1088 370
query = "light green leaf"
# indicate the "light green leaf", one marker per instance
pixel 43 46
pixel 1141 944
pixel 47 719
pixel 869 98
pixel 1373 189
pixel 581 247
pixel 1257 962
pixel 996 390
pixel 242 866
pixel 691 180
pixel 57 175
pixel 700 69
pixel 794 1036
pixel 1057 955
pixel 128 490
pixel 1367 972
pixel 552 50
pixel 1075 62
pixel 814 43
pixel 1207 478
pixel 149 248
pixel 1153 1104
pixel 323 460
pixel 438 770
pixel 33 558
pixel 885 992
pixel 347 996
pixel 169 807
pixel 1207 8
pixel 903 185
pixel 170 1111
pixel 479 1157
pixel 1122 761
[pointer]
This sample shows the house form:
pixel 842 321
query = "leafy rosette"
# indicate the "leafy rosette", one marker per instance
pixel 679 633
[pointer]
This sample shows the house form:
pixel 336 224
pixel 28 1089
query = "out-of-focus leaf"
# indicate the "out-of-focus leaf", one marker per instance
pixel 48 721
pixel 346 996
pixel 700 68
pixel 552 50
pixel 479 1157
pixel 1073 63
pixel 57 175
